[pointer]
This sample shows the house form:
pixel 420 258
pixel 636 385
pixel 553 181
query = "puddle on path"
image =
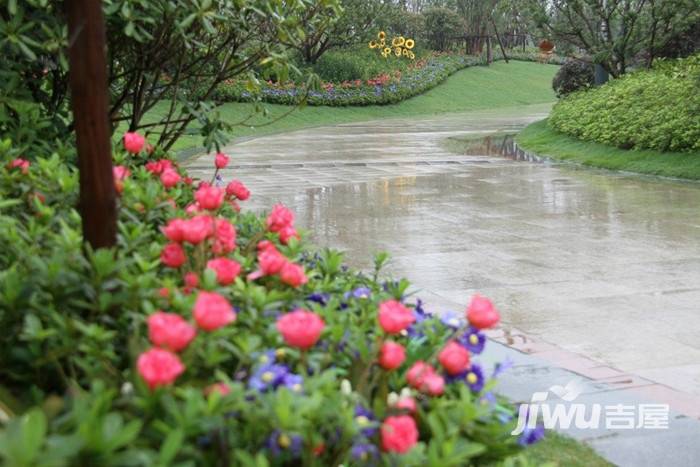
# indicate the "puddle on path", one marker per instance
pixel 502 145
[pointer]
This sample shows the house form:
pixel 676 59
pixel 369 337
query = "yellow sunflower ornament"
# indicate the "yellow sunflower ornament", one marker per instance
pixel 397 51
pixel 373 44
pixel 410 43
pixel 381 35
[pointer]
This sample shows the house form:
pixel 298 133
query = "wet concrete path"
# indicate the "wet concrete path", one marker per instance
pixel 594 263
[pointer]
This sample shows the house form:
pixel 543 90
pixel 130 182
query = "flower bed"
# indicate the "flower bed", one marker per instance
pixel 388 88
pixel 212 336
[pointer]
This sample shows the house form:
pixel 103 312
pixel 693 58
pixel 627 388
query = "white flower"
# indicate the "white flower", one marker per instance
pixel 345 387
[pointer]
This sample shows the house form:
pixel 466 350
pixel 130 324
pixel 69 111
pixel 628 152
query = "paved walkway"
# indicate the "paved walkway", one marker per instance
pixel 595 272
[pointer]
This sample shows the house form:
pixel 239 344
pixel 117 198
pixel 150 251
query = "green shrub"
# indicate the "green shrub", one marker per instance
pixel 350 64
pixel 653 109
pixel 572 76
pixel 235 386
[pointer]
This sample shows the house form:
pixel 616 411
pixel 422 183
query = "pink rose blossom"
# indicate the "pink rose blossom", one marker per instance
pixel 399 434
pixel 226 269
pixel 419 371
pixel 434 385
pixel 169 178
pixel 293 274
pixel 454 358
pixel 279 218
pixel 133 142
pixel 197 229
pixel 220 160
pixel 407 403
pixel 287 233
pixel 391 355
pixel 224 237
pixel 209 197
pixel 174 230
pixel 481 313
pixel 173 255
pixel 212 311
pixel 271 261
pixel 159 367
pixel 191 280
pixel 238 189
pixel 170 331
pixel 394 317
pixel 300 328
pixel 21 164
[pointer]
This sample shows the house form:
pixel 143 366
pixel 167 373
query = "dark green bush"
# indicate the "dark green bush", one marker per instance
pixel 572 76
pixel 653 109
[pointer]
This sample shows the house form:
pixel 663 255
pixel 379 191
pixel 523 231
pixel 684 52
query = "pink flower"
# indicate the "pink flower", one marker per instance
pixel 265 245
pixel 434 384
pixel 300 328
pixel 391 355
pixel 221 160
pixel 454 358
pixel 279 218
pixel 174 230
pixel 237 189
pixel 399 434
pixel 191 280
pixel 221 388
pixel 170 331
pixel 419 371
pixel 212 311
pixel 169 178
pixel 198 228
pixel 407 403
pixel 226 269
pixel 21 164
pixel 293 274
pixel 159 367
pixel 209 197
pixel 120 172
pixel 133 142
pixel 173 255
pixel 224 237
pixel 481 313
pixel 271 261
pixel 154 167
pixel 394 317
pixel 287 233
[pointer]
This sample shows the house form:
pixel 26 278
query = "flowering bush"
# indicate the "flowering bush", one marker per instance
pixel 385 88
pixel 212 336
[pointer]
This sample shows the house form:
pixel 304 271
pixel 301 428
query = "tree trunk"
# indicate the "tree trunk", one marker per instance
pixel 89 99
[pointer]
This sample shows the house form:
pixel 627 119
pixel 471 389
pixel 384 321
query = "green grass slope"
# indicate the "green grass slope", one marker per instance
pixel 475 88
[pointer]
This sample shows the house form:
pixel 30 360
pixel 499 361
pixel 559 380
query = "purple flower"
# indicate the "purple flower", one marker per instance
pixel 502 367
pixel 320 298
pixel 293 382
pixel 364 452
pixel 421 315
pixel 531 435
pixel 362 292
pixel 279 442
pixel 268 376
pixel 366 421
pixel 474 378
pixel 473 340
pixel 452 319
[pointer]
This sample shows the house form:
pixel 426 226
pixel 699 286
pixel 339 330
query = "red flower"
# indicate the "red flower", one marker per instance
pixel 174 230
pixel 173 255
pixel 293 274
pixel 191 280
pixel 300 328
pixel 133 142
pixel 454 358
pixel 169 178
pixel 212 311
pixel 399 434
pixel 434 385
pixel 417 374
pixel 170 331
pixel 198 228
pixel 224 237
pixel 237 189
pixel 394 317
pixel 120 173
pixel 265 245
pixel 226 270
pixel 407 403
pixel 159 367
pixel 279 218
pixel 391 355
pixel 221 160
pixel 481 313
pixel 287 233
pixel 271 261
pixel 209 197
pixel 21 164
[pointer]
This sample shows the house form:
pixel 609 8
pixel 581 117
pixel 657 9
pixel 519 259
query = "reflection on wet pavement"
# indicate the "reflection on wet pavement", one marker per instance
pixel 603 264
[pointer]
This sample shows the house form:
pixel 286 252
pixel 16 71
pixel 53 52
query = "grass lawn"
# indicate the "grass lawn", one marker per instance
pixel 541 139
pixel 474 88
pixel 559 450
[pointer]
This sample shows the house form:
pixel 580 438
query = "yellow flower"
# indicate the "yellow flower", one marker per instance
pixel 410 43
pixel 397 51
pixel 405 52
pixel 387 50
pixel 381 35
pixel 382 42
pixel 411 55
pixel 402 41
pixel 373 44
